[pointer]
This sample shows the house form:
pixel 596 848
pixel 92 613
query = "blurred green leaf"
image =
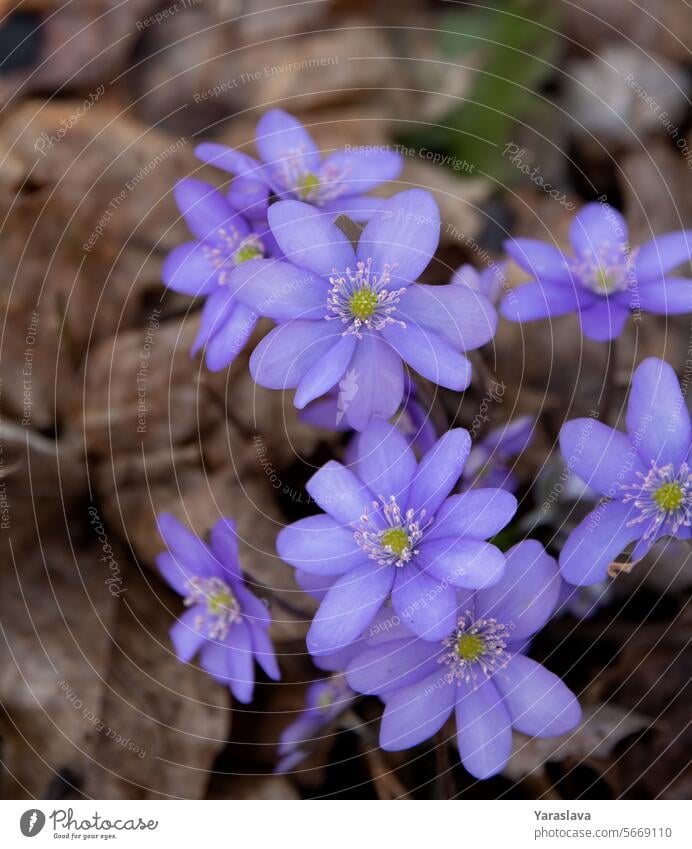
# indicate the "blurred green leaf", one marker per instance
pixel 513 50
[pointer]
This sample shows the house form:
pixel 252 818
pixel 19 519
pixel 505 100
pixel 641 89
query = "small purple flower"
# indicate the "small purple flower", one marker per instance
pixel 489 282
pixel 292 167
pixel 225 622
pixel 351 318
pixel 605 278
pixel 325 701
pixel 645 476
pixel 489 462
pixel 477 671
pixel 389 528
pixel 229 229
pixel 411 419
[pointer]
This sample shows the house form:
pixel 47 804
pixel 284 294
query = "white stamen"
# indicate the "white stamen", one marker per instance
pixel 363 280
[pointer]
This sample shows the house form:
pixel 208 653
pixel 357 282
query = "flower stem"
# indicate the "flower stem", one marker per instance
pixel 606 399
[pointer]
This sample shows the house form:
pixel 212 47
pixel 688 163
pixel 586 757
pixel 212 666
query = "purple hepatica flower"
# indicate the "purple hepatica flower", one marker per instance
pixel 292 167
pixel 225 622
pixel 389 528
pixel 478 671
pixel 489 460
pixel 644 474
pixel 325 701
pixel 229 230
pixel 488 282
pixel 349 318
pixel 604 279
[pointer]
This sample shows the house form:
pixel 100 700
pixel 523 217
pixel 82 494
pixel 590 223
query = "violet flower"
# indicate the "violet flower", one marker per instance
pixel 389 528
pixel 225 622
pixel 229 230
pixel 644 475
pixel 325 701
pixel 604 279
pixel 477 672
pixel 351 318
pixel 292 166
pixel 489 462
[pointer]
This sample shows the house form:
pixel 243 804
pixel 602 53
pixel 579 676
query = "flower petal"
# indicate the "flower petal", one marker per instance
pixel 340 493
pixel 598 229
pixel 604 320
pixel 403 235
pixel 314 585
pixel 240 662
pixel 662 254
pixel 538 701
pixel 385 461
pixel 187 548
pixel 426 605
pixel 319 545
pixel 281 137
pixel 596 542
pixel 463 318
pixel 484 728
pixel 601 457
pixel 349 607
pixel 250 197
pixel 186 269
pixel 658 421
pixel 230 160
pixel 526 595
pixel 326 372
pixel 542 261
pixel 392 665
pixel 373 385
pixel 359 208
pixel 479 513
pixel 218 306
pixel 430 355
pixel 263 650
pixel 187 639
pixel 254 609
pixel 310 239
pixel 288 351
pixel 672 296
pixel 206 210
pixel 415 713
pixel 467 563
pixel 359 171
pixel 231 337
pixel 223 541
pixel 546 299
pixel 279 290
pixel 439 470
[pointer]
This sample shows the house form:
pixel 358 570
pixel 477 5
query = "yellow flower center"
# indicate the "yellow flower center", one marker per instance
pixel 605 281
pixel 220 602
pixel 362 303
pixel 307 184
pixel 470 647
pixel 247 252
pixel 395 540
pixel 668 496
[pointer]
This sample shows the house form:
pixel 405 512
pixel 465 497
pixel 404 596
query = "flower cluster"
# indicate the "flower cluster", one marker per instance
pixel 419 603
